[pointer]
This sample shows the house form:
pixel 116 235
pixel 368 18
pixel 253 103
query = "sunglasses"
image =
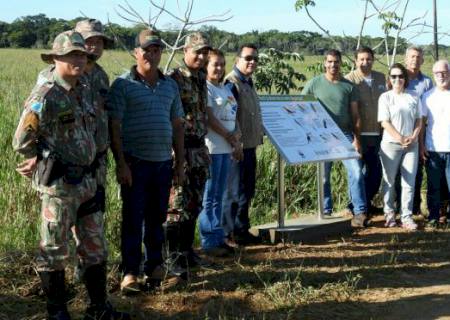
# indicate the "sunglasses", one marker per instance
pixel 397 76
pixel 250 58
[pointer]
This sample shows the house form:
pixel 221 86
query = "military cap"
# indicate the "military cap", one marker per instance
pixel 63 44
pixel 146 38
pixel 93 28
pixel 196 41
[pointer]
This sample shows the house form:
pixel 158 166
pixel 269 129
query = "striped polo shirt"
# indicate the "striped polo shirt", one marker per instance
pixel 146 113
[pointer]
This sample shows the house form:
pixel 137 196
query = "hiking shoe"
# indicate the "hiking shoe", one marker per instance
pixel 390 220
pixel 360 221
pixel 129 284
pixel 409 224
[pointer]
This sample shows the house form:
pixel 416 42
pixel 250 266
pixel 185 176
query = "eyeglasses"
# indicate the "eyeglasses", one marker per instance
pixel 250 58
pixel 441 73
pixel 397 76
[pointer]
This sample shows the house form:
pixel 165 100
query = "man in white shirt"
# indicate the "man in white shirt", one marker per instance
pixel 435 148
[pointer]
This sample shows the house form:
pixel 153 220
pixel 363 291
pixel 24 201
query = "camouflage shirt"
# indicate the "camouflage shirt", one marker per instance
pixel 194 97
pixel 61 118
pixel 99 83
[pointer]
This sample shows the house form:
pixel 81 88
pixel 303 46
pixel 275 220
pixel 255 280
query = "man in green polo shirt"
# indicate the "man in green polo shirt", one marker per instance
pixel 340 98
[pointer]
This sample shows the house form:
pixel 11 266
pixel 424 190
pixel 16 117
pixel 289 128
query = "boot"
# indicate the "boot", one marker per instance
pixel 99 308
pixel 53 285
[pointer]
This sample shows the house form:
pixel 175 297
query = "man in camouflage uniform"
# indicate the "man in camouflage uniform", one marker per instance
pixel 186 200
pixel 95 41
pixel 55 134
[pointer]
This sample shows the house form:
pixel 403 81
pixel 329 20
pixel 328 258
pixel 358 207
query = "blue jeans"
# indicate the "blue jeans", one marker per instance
pixel 210 219
pixel 356 187
pixel 437 165
pixel 145 202
pixel 239 192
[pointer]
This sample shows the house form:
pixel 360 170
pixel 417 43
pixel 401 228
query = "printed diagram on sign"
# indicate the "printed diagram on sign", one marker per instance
pixel 304 131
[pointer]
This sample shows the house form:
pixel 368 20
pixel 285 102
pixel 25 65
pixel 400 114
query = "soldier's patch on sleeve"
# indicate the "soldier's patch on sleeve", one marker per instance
pixel 36 106
pixel 31 121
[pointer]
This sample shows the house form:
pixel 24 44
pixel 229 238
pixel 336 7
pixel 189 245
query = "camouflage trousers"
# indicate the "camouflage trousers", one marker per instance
pixel 61 220
pixel 185 202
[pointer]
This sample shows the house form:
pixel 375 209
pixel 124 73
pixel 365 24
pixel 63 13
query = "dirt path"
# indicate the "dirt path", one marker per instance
pixel 376 273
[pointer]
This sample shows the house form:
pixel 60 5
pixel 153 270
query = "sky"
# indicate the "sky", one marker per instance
pixel 340 17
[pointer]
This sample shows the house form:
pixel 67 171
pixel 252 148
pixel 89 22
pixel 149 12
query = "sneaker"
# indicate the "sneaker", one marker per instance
pixel 390 220
pixel 129 284
pixel 360 221
pixel 409 224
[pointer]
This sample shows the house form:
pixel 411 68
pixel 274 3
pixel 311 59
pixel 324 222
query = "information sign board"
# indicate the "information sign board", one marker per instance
pixel 302 131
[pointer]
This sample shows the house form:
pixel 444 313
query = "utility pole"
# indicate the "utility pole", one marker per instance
pixel 435 33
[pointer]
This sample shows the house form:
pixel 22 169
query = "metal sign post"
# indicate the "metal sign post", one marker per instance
pixel 280 183
pixel 320 174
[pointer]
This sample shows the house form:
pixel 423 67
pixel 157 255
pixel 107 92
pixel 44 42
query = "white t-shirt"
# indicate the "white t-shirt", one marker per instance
pixel 224 108
pixel 436 107
pixel 401 110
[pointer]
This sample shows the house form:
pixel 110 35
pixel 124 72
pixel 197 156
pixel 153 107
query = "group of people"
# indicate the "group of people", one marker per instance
pixel 398 125
pixel 184 144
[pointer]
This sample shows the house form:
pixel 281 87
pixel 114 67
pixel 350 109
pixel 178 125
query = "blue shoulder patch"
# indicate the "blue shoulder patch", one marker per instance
pixel 36 107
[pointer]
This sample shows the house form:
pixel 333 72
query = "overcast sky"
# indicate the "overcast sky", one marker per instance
pixel 340 17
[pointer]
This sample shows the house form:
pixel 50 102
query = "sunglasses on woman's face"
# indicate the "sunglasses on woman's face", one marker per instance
pixel 397 76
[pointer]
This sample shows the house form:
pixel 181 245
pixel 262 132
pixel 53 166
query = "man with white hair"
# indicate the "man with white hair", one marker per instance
pixel 435 148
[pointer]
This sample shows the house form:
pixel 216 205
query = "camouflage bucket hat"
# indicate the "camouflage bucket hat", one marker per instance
pixel 196 41
pixel 63 44
pixel 93 28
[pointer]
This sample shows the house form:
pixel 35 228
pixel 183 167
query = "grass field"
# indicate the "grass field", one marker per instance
pixel 344 278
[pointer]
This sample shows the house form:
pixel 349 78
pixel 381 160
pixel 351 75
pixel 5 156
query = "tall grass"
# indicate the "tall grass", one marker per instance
pixel 19 205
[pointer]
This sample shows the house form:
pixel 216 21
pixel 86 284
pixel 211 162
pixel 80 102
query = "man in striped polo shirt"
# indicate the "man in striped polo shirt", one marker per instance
pixel 146 117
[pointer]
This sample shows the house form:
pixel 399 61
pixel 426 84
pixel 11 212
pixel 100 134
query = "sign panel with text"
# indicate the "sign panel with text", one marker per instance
pixel 302 131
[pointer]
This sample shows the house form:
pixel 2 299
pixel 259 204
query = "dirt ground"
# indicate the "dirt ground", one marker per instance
pixel 376 273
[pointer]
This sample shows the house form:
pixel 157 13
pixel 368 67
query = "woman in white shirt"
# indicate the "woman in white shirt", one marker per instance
pixel 399 114
pixel 222 141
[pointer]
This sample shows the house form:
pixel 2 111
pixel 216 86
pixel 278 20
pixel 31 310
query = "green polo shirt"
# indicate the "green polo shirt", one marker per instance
pixel 335 97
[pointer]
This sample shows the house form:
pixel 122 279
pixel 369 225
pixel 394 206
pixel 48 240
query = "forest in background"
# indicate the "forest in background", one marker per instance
pixel 38 31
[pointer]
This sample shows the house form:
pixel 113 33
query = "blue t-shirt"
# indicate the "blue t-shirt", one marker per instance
pixel 146 114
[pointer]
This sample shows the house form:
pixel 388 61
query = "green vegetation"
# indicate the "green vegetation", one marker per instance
pixel 38 31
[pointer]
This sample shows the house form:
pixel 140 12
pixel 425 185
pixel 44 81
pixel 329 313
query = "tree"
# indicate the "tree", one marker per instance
pixel 276 72
pixel 183 18
pixel 392 16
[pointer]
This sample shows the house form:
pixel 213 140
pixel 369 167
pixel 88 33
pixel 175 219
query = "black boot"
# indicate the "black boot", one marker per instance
pixel 53 285
pixel 99 308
